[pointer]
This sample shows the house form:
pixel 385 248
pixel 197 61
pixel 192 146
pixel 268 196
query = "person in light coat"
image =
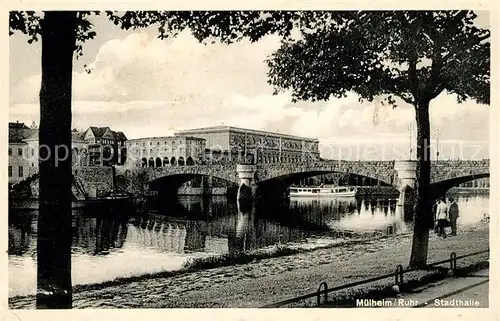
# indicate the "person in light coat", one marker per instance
pixel 453 215
pixel 442 217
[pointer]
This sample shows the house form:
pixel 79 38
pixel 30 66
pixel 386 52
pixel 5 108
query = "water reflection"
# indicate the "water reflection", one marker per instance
pixel 105 247
pixel 97 236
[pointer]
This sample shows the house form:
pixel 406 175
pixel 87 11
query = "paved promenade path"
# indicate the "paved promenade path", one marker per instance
pixel 274 279
pixel 469 291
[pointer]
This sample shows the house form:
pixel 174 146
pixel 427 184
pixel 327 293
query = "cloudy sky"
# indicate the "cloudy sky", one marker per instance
pixel 144 86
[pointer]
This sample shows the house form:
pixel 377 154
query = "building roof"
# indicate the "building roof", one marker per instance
pixel 77 136
pixel 18 125
pixel 224 128
pixel 18 132
pixel 119 136
pixel 98 131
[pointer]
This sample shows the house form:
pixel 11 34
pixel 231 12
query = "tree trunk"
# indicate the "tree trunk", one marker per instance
pixel 421 205
pixel 54 289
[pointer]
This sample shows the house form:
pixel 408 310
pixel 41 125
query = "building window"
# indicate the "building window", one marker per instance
pixel 150 143
pixel 173 142
pixel 10 151
pixel 10 171
pixel 165 143
pixel 20 151
pixel 157 143
pixel 20 171
pixel 32 152
pixel 143 144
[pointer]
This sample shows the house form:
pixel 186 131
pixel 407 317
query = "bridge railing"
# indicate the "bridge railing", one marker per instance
pixel 398 276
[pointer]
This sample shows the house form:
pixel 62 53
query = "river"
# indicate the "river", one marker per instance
pixel 171 234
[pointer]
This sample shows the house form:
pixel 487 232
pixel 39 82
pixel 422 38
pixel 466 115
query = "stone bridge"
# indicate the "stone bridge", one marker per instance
pixel 88 182
pixel 400 174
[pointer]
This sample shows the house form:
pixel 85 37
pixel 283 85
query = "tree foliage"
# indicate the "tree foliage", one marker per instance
pixel 409 54
pixel 412 55
pixel 206 26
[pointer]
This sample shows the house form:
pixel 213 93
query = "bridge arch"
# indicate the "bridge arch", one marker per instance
pixel 158 162
pixel 151 162
pixel 295 177
pixel 274 179
pixel 173 161
pixel 180 161
pixel 170 183
pixel 166 162
pixel 441 187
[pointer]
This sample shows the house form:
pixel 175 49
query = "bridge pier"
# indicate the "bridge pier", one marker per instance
pixel 407 174
pixel 247 188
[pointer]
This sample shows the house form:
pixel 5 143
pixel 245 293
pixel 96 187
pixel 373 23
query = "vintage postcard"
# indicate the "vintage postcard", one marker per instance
pixel 175 160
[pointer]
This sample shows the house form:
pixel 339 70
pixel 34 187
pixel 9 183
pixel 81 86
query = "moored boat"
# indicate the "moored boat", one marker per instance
pixel 332 191
pixel 111 201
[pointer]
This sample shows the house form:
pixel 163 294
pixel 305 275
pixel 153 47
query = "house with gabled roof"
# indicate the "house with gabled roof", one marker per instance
pixel 105 146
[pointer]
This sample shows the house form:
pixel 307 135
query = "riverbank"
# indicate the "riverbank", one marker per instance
pixel 274 279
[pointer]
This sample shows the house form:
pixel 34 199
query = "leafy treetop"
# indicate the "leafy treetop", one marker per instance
pixel 413 55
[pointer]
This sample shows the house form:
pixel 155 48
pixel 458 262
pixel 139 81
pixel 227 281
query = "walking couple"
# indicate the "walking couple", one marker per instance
pixel 445 215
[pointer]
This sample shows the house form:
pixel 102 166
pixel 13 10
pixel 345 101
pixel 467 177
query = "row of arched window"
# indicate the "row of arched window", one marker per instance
pixel 159 162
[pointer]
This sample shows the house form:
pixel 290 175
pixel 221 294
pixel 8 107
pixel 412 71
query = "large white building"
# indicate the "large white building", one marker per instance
pixel 220 144
pixel 165 151
pixel 226 143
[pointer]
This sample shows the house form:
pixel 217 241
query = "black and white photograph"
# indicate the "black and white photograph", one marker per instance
pixel 272 159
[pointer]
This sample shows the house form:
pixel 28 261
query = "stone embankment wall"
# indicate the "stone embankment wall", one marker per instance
pixel 96 181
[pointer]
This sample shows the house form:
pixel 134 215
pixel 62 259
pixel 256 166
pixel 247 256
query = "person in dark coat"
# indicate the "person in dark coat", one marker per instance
pixel 453 215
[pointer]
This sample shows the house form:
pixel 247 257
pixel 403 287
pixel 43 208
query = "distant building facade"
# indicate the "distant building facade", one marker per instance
pixel 20 159
pixel 232 144
pixel 165 151
pixel 93 147
pixel 105 146
pixel 78 148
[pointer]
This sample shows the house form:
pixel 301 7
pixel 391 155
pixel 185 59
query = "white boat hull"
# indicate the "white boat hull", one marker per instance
pixel 350 194
pixel 321 192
